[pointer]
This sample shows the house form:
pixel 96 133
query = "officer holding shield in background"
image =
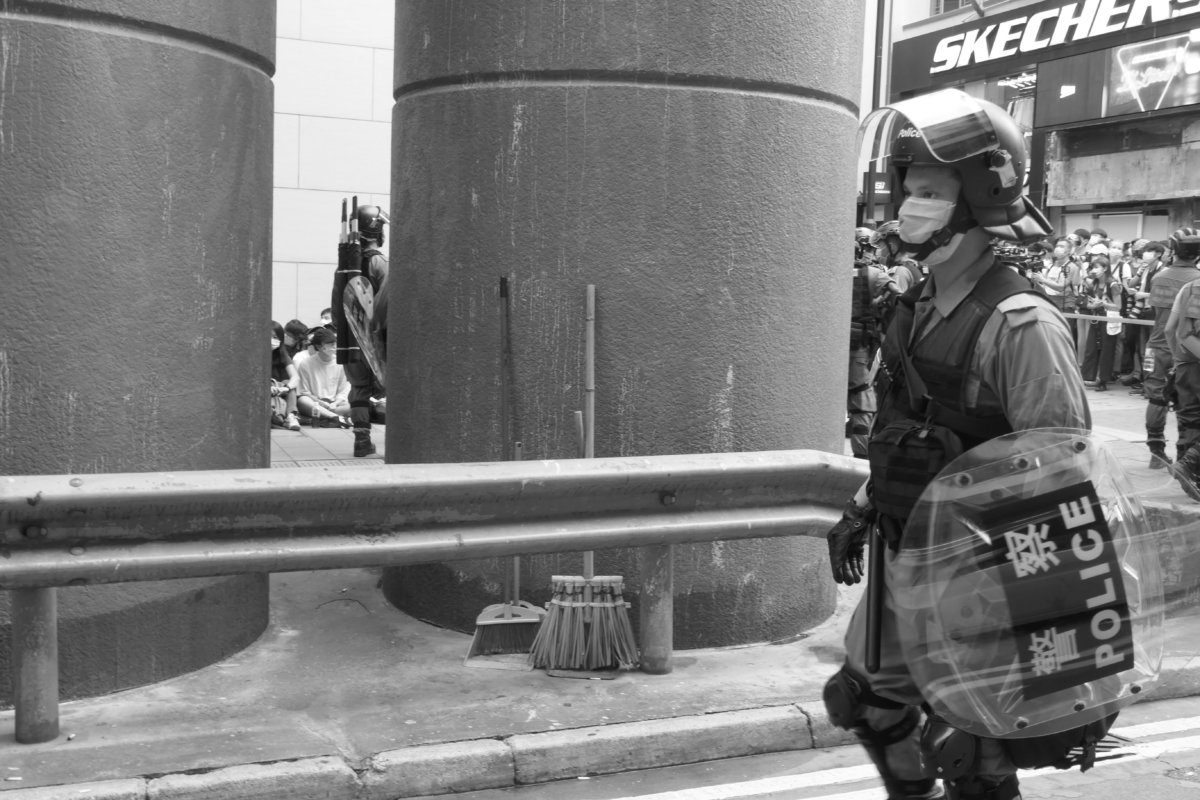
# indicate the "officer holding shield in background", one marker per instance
pixel 972 353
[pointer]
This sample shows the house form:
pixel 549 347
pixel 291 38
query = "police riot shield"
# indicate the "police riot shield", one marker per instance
pixel 1029 588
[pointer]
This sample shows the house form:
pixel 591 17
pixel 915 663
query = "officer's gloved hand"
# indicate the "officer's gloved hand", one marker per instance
pixel 847 541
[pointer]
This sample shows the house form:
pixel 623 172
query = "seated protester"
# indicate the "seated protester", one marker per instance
pixel 324 389
pixel 284 382
pixel 295 337
pixel 300 355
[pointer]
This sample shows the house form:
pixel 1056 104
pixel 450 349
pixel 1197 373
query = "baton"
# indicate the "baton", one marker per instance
pixel 340 276
pixel 874 598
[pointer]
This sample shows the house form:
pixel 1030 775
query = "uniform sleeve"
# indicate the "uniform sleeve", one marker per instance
pixel 878 280
pixel 379 272
pixel 1174 328
pixel 1033 366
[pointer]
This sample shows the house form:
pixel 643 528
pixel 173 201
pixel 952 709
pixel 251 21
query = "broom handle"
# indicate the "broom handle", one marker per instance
pixel 589 402
pixel 514 593
pixel 518 451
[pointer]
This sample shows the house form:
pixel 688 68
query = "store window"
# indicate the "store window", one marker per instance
pixel 1151 224
pixel 946 6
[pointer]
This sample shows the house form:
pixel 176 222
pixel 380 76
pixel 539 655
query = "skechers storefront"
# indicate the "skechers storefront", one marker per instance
pixel 1107 93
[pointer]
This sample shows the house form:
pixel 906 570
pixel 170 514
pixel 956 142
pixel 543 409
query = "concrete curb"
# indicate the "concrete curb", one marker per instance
pixel 521 759
pixel 484 764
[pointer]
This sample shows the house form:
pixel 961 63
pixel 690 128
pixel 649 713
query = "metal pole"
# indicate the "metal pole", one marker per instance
pixel 656 609
pixel 35 664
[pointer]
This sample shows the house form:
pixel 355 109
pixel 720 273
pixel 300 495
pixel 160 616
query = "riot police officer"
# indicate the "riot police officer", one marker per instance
pixel 973 352
pixel 871 286
pixel 365 385
pixel 1158 383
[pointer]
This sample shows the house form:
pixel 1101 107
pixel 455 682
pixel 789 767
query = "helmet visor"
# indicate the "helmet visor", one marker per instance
pixel 952 123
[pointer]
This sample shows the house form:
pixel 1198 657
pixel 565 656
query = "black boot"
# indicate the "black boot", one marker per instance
pixel 1158 455
pixel 1187 472
pixel 1005 788
pixel 363 446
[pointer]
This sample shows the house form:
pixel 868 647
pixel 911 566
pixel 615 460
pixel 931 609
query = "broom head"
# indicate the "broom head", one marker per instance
pixel 505 628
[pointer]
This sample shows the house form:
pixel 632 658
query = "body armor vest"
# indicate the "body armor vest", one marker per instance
pixel 942 358
pixel 1167 283
pixel 860 297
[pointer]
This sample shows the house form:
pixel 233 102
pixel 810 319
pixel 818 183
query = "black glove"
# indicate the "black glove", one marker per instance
pixel 847 540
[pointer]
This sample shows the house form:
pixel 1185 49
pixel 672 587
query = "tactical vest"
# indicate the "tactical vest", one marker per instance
pixel 864 325
pixel 1167 283
pixel 860 297
pixel 943 357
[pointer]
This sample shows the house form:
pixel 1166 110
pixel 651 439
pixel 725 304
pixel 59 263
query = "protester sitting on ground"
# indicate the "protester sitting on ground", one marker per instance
pixel 295 337
pixel 324 390
pixel 309 351
pixel 284 383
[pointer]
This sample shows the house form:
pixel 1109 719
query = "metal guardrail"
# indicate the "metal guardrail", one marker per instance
pixel 1103 318
pixel 66 530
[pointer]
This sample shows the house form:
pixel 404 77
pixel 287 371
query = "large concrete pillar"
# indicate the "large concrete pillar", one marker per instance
pixel 135 161
pixel 693 160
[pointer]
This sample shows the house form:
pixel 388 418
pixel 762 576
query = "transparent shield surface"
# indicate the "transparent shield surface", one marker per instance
pixel 1029 590
pixel 952 123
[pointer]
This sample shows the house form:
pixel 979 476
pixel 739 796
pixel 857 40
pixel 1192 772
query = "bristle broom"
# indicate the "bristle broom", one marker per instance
pixel 581 634
pixel 587 620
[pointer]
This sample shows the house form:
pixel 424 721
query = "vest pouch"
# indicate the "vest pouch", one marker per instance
pixel 858 335
pixel 905 457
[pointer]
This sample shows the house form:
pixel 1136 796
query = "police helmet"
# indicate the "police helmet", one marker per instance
pixel 371 220
pixel 976 138
pixel 1186 243
pixel 885 232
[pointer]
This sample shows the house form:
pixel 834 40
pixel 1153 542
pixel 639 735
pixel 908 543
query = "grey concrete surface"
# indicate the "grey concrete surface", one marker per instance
pixel 346 697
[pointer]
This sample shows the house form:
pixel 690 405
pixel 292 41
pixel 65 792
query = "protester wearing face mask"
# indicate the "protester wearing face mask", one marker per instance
pixel 1059 278
pixel 324 389
pixel 284 381
pixel 1149 263
pixel 1103 301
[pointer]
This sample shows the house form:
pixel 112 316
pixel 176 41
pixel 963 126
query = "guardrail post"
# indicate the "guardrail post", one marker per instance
pixel 657 609
pixel 35 663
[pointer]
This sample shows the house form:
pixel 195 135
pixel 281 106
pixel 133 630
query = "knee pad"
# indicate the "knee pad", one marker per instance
pixel 845 696
pixel 950 751
pixel 843 700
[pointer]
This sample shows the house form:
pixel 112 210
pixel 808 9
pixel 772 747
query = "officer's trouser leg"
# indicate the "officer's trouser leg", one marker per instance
pixel 1153 386
pixel 1187 414
pixel 362 381
pixel 892 736
pixel 860 401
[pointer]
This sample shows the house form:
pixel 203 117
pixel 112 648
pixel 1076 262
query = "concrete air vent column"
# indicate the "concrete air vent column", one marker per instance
pixel 695 162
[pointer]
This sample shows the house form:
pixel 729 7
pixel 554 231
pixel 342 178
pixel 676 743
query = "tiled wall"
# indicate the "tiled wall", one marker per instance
pixel 333 110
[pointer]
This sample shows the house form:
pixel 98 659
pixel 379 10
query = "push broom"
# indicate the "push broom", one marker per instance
pixel 587 623
pixel 508 627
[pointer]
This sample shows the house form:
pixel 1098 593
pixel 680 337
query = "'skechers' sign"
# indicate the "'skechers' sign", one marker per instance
pixel 1066 22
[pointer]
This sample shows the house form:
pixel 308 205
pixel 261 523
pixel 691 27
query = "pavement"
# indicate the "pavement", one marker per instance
pixel 343 696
